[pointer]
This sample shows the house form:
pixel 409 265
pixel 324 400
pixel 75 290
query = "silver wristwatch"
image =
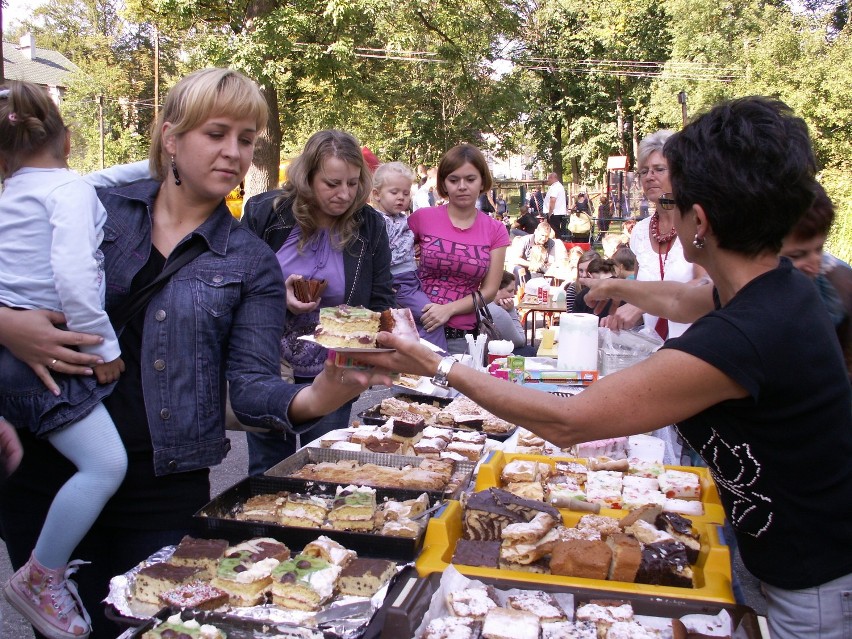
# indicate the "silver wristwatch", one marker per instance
pixel 441 376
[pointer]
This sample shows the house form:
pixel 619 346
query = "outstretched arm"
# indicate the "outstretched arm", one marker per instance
pixel 676 301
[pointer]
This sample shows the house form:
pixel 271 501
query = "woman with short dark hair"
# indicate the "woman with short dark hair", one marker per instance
pixel 741 176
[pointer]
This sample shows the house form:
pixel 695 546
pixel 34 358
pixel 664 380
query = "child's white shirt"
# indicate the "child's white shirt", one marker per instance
pixel 51 227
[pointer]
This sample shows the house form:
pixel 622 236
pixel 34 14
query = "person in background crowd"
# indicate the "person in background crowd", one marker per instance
pixel 536 202
pixel 658 249
pixel 425 195
pixel 582 204
pixel 502 207
pixel 625 263
pixel 833 277
pixel 742 175
pixel 462 249
pixel 579 226
pixel 51 224
pixel 572 289
pixel 217 320
pixel 321 228
pixel 643 203
pixel 598 269
pixel 390 198
pixel 604 213
pixel 484 203
pixel 539 253
pixel 505 315
pixel 526 222
pixel 370 159
pixel 555 205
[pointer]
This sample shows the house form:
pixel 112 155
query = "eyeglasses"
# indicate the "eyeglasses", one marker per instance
pixel 666 201
pixel 656 170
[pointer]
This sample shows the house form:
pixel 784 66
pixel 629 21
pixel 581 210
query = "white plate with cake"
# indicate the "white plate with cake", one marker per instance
pixel 353 329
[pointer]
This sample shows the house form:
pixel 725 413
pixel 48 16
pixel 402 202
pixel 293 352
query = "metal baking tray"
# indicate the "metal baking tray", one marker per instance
pixel 462 474
pixel 216 518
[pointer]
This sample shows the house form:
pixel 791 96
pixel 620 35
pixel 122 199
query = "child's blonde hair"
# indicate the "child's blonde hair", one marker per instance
pixel 388 169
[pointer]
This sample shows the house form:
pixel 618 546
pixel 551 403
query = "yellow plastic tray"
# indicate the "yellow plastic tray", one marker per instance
pixel 712 571
pixel 492 467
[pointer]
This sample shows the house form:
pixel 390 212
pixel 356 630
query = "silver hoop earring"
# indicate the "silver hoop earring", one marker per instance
pixel 698 242
pixel 175 172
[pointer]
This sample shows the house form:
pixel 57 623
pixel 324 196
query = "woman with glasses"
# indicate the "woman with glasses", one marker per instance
pixel 760 392
pixel 654 241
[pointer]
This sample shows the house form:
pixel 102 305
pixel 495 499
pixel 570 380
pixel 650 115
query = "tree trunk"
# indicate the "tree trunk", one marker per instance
pixel 619 117
pixel 263 174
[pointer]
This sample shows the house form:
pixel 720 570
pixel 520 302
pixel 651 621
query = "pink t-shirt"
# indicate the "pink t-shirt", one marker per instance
pixel 453 261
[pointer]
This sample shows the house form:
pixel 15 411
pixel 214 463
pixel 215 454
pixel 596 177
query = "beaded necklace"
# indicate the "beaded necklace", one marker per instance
pixel 666 241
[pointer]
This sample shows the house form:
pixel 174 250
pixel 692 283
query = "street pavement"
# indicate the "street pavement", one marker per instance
pixel 235 468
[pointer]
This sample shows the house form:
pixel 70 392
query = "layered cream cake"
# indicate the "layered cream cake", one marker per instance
pixel 303 582
pixel 246 582
pixel 353 508
pixel 347 327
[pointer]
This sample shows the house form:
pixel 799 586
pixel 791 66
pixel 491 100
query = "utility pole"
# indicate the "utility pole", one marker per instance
pixel 681 98
pixel 101 124
pixel 156 73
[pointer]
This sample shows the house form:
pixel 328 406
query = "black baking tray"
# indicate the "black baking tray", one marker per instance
pixel 463 471
pixel 235 627
pixel 212 518
pixel 409 599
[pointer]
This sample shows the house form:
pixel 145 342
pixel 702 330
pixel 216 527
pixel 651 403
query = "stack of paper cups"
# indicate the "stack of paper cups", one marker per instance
pixel 578 342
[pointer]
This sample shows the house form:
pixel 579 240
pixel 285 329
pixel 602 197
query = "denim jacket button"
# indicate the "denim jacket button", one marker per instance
pixel 172 465
pixel 217 279
pixel 165 413
pixel 160 315
pixel 159 365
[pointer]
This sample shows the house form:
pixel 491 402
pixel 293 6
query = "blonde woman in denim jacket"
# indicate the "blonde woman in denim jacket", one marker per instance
pixel 217 319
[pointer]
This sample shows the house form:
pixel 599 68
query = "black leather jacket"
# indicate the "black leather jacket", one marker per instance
pixel 366 259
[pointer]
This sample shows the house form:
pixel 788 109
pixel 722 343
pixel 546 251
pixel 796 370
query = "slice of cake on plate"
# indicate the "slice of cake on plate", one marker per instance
pixel 329 550
pixel 507 623
pixel 347 327
pixel 262 507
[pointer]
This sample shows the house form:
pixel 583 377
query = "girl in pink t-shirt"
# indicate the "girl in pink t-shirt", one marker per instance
pixel 462 249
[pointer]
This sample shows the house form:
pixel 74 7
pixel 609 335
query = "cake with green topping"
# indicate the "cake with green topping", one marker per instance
pixel 303 582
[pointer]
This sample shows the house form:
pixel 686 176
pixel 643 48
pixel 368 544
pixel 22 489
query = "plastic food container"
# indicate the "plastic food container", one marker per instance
pixel 712 571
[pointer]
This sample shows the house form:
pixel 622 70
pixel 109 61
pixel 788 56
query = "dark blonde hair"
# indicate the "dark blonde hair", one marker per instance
pixel 330 143
pixel 456 157
pixel 29 123
pixel 199 96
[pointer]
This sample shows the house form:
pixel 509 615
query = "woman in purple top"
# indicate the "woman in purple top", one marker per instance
pixel 462 249
pixel 320 227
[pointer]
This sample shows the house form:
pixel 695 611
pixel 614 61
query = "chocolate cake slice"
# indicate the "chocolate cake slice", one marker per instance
pixel 408 424
pixel 665 563
pixel 681 529
pixel 470 552
pixel 487 512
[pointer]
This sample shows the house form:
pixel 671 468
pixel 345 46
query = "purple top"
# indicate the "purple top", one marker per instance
pixel 318 260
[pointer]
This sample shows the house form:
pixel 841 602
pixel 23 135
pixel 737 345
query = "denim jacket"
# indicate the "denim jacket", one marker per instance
pixel 218 319
pixel 366 260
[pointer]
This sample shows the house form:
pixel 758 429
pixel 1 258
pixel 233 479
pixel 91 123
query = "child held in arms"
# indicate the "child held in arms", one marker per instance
pixel 391 196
